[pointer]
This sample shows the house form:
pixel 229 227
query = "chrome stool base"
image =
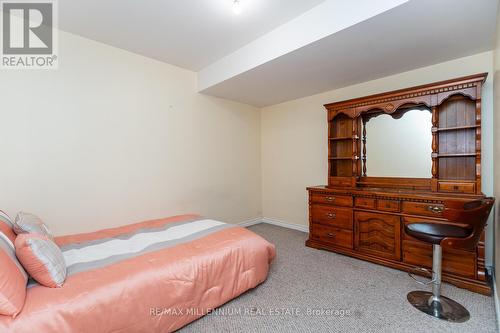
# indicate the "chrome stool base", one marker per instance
pixel 445 308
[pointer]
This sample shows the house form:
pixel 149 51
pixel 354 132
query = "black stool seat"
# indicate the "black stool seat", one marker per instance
pixel 434 233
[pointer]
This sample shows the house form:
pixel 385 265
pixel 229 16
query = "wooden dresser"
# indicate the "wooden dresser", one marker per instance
pixel 364 217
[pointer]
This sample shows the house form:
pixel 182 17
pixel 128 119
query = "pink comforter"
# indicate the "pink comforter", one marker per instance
pixel 147 289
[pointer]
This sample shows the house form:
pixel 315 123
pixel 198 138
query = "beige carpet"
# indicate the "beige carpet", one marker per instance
pixel 304 279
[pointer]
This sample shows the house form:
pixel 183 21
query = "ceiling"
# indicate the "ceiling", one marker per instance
pixel 406 37
pixel 187 33
pixel 279 50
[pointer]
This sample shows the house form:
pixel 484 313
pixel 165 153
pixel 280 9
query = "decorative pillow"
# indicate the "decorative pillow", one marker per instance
pixel 13 279
pixel 26 223
pixel 42 259
pixel 6 226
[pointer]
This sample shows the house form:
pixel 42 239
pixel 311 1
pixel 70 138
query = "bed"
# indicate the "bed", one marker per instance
pixel 154 276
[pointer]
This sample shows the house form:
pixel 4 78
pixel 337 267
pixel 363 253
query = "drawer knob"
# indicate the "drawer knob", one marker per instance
pixel 331 234
pixel 330 198
pixel 331 215
pixel 435 209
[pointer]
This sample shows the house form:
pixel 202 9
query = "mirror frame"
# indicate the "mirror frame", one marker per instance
pixel 397 114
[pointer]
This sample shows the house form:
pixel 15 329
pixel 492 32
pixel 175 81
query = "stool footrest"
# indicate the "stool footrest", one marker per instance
pixel 415 270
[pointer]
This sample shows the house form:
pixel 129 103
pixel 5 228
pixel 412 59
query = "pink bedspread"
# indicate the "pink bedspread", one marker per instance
pixel 164 274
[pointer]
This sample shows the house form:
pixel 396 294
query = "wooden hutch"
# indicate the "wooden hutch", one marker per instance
pixel 364 217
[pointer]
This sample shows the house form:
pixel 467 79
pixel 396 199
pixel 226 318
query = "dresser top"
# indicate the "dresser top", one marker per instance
pixel 393 193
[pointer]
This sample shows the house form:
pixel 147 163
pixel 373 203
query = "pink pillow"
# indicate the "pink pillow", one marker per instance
pixel 42 259
pixel 6 226
pixel 13 279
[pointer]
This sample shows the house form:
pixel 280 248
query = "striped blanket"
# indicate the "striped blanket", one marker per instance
pixel 98 253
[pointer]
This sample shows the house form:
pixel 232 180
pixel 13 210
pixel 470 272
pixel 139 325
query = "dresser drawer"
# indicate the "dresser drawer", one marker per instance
pixel 338 200
pixel 480 251
pixel 420 208
pixel 454 261
pixel 367 203
pixel 388 205
pixel 340 181
pixel 332 235
pixel 334 216
pixel 378 234
pixel 457 187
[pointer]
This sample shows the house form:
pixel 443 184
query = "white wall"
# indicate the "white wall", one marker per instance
pixel 294 137
pixel 112 138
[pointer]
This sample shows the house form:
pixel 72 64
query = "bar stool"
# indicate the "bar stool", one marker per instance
pixel 468 220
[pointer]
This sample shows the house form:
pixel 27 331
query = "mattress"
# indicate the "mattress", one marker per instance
pixel 154 276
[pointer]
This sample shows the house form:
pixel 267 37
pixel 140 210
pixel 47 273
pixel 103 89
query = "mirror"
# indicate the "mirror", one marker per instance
pixel 398 145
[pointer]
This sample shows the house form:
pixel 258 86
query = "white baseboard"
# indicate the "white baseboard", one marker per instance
pixel 251 222
pixel 284 224
pixel 495 295
pixel 279 223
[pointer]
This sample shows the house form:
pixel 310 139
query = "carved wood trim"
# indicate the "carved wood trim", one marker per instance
pixel 435 161
pixel 478 146
pixel 355 155
pixel 359 193
pixel 364 147
pixel 469 92
pixel 396 114
pixel 392 107
pixel 430 95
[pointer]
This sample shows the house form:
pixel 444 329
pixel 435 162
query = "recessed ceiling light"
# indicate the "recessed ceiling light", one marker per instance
pixel 237 7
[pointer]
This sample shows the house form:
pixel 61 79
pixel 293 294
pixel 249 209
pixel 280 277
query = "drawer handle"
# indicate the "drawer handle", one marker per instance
pixel 331 215
pixel 435 209
pixel 330 198
pixel 331 234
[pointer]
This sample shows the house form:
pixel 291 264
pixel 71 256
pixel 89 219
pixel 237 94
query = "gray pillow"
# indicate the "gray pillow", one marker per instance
pixel 26 223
